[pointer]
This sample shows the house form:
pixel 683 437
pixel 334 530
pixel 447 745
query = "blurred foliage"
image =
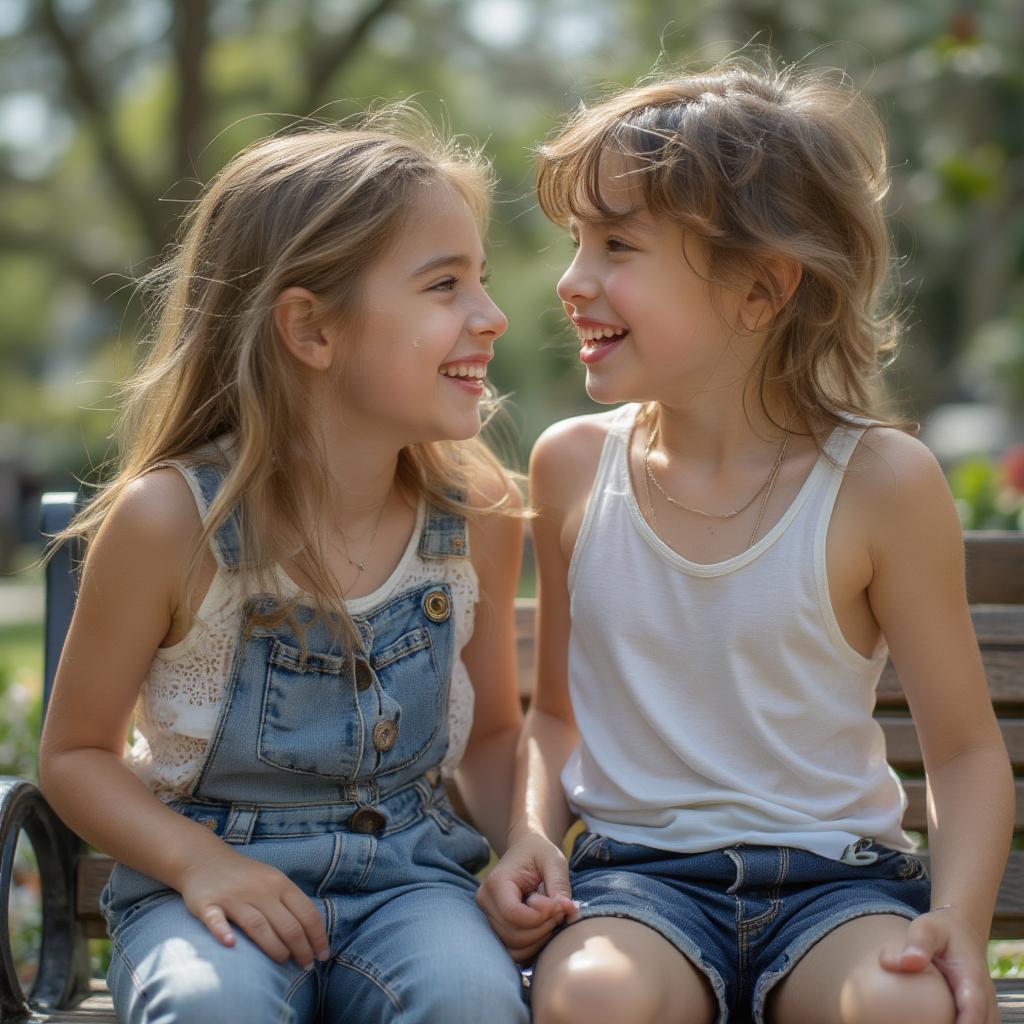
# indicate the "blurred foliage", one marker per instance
pixel 112 113
pixel 989 493
pixel 20 657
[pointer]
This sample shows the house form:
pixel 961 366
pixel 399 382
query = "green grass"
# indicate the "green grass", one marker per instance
pixel 21 651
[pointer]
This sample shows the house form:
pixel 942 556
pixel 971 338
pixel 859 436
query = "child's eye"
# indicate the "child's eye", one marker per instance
pixel 617 245
pixel 447 285
pixel 485 279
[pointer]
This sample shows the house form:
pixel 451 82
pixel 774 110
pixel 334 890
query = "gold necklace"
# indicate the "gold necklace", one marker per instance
pixel 360 567
pixel 769 483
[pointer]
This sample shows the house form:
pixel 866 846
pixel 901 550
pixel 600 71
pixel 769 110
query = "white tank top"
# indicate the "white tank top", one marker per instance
pixel 720 704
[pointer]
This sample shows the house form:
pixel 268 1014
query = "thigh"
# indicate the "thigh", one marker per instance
pixel 166 967
pixel 426 954
pixel 840 981
pixel 614 969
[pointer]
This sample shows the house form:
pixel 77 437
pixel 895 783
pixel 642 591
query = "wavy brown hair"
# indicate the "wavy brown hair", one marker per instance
pixel 759 162
pixel 312 208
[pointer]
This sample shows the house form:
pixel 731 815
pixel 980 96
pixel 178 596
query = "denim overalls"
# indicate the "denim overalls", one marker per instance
pixel 332 777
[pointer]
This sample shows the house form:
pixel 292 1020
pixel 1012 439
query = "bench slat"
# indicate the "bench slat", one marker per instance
pixel 995 567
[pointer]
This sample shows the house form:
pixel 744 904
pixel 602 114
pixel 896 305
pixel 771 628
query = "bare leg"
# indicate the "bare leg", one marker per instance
pixel 606 970
pixel 840 981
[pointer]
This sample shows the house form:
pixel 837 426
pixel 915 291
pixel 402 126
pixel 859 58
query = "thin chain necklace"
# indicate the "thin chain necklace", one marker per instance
pixel 767 487
pixel 360 567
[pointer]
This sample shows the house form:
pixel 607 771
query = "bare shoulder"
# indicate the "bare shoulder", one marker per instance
pixel 896 488
pixel 891 466
pixel 154 524
pixel 565 457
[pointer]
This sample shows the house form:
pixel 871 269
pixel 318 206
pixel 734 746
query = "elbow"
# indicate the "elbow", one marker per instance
pixel 49 772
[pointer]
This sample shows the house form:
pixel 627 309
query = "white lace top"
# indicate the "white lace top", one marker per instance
pixel 180 698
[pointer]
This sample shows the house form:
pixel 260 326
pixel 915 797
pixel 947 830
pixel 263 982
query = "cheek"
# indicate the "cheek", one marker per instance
pixel 625 292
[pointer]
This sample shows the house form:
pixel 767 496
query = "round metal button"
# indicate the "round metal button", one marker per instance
pixel 437 606
pixel 366 820
pixel 364 675
pixel 385 732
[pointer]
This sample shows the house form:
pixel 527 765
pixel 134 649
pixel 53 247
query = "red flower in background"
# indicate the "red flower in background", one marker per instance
pixel 1012 465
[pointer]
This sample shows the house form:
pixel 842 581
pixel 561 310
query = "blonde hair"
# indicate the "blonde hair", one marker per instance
pixel 758 162
pixel 313 208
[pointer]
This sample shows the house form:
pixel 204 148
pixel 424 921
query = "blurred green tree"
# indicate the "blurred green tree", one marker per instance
pixel 111 114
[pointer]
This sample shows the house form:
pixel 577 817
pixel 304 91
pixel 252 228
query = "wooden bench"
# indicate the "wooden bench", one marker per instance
pixel 73 878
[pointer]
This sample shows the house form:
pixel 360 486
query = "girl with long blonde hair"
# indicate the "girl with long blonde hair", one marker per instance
pixel 299 582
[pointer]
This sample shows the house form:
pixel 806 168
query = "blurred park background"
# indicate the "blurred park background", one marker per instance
pixel 113 112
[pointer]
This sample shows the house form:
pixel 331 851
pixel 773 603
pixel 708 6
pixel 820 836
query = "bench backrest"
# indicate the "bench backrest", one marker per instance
pixel 995 585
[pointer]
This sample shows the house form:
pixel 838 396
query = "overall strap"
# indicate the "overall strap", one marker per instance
pixel 205 478
pixel 444 533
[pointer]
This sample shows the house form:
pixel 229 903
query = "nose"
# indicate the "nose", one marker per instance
pixel 577 283
pixel 488 321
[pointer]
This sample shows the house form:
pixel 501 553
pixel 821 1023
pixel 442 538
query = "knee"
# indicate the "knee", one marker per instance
pixel 582 990
pixel 473 996
pixel 201 993
pixel 877 996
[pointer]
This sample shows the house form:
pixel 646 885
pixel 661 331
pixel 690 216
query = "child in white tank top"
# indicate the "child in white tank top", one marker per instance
pixel 724 566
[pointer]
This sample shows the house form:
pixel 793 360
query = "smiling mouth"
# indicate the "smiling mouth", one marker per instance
pixel 465 371
pixel 587 333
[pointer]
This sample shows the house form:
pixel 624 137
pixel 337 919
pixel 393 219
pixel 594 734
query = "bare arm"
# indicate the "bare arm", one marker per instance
pixel 485 773
pixel 128 603
pixel 560 480
pixel 918 597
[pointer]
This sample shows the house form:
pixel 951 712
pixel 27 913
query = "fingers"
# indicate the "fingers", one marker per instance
pixel 254 923
pixel 501 899
pixel 555 877
pixel 291 935
pixel 957 955
pixel 301 906
pixel 526 945
pixel 283 929
pixel 214 919
pixel 925 940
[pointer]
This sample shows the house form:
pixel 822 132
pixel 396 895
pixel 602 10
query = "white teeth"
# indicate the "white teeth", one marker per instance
pixel 466 371
pixel 597 333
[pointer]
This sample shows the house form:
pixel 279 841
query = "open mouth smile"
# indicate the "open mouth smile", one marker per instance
pixel 598 340
pixel 470 376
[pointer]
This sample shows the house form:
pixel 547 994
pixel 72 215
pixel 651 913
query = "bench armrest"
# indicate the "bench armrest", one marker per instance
pixel 63 977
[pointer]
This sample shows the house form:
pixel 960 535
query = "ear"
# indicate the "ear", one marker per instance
pixel 298 326
pixel 770 291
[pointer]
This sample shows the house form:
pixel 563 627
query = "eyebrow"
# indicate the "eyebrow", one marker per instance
pixel 446 260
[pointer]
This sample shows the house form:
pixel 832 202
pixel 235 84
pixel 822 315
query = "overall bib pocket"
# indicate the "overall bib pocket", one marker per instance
pixel 311 720
pixel 323 716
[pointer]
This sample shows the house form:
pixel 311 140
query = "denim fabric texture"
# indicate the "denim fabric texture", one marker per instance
pixel 743 915
pixel 327 769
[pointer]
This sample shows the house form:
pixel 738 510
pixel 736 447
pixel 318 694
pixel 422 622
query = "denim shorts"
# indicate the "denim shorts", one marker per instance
pixel 744 915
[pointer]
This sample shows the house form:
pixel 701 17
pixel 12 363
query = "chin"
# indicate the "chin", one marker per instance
pixel 461 429
pixel 603 394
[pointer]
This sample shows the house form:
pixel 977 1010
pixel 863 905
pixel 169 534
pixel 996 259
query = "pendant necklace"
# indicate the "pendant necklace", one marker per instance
pixel 360 567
